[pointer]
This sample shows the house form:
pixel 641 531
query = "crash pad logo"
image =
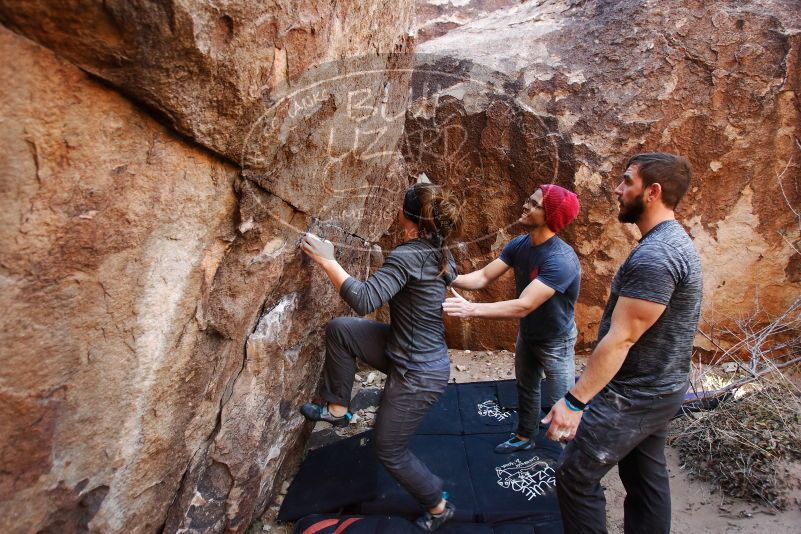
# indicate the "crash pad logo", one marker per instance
pixel 492 410
pixel 532 478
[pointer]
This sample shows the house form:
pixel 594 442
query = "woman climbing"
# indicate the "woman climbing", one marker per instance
pixel 411 350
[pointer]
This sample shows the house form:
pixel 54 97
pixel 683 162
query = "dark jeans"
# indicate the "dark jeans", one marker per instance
pixel 408 395
pixel 627 429
pixel 553 357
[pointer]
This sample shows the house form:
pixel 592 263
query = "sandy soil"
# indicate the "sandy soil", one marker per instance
pixel 696 508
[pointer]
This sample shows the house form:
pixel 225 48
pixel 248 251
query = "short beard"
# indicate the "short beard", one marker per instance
pixel 529 227
pixel 631 213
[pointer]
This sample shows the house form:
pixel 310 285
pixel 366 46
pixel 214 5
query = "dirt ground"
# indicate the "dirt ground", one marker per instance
pixel 695 507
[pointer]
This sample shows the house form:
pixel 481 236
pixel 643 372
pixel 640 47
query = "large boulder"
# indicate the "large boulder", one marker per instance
pixel 434 18
pixel 563 92
pixel 112 228
pixel 161 326
pixel 309 96
pixel 208 67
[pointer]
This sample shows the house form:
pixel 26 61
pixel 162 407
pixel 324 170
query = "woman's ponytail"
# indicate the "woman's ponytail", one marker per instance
pixel 440 218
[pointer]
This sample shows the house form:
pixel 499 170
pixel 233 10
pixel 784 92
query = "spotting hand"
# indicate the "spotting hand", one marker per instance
pixel 458 306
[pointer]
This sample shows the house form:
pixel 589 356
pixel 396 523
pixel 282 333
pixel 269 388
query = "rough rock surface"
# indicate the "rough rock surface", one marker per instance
pixel 243 79
pixel 587 84
pixel 210 68
pixel 161 325
pixel 434 18
pixel 112 227
pixel 233 474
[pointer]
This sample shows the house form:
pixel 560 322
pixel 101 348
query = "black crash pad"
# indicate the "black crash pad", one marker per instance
pixel 444 417
pixel 515 486
pixel 361 524
pixel 473 408
pixel 332 477
pixel 486 487
pixel 447 458
pixel 480 411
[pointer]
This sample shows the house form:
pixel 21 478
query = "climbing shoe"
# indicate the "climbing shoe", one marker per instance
pixel 513 445
pixel 431 522
pixel 315 412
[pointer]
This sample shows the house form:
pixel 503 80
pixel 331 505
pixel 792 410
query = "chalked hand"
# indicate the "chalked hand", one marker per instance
pixel 317 249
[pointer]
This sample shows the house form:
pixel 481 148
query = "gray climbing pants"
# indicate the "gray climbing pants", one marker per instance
pixel 408 395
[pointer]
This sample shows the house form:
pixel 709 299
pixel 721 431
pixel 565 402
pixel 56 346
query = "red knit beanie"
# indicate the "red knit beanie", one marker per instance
pixel 561 206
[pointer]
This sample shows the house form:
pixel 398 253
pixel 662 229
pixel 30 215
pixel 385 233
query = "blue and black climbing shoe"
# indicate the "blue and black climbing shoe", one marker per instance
pixel 431 522
pixel 513 445
pixel 316 412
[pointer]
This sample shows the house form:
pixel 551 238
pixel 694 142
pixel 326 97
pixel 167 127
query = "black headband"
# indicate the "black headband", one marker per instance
pixel 411 205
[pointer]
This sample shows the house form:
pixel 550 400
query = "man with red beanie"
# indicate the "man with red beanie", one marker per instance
pixel 547 279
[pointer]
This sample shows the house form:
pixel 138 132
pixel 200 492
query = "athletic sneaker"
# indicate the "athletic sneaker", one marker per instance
pixel 513 445
pixel 316 412
pixel 430 522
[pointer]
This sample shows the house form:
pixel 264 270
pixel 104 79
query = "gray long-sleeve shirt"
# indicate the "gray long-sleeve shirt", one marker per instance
pixel 409 281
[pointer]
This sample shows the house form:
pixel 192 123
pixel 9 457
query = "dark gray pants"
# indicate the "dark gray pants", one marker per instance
pixel 556 358
pixel 629 430
pixel 408 395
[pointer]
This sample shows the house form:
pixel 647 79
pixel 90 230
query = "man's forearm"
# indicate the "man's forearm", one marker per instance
pixel 474 280
pixel 506 309
pixel 605 361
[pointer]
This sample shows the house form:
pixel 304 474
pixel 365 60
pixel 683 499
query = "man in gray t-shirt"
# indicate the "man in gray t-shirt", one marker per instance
pixel 663 268
pixel 637 375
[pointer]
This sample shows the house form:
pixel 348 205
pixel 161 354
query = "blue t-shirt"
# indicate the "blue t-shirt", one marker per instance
pixel 555 264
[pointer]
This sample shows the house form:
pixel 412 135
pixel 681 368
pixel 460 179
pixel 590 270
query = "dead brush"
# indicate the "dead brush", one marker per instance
pixel 747 446
pixel 744 446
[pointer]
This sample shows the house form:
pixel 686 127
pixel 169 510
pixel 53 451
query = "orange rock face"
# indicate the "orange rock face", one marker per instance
pixel 161 326
pixel 565 93
pixel 112 228
pixel 208 69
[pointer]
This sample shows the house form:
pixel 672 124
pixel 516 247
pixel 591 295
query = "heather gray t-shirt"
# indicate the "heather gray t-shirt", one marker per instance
pixel 663 268
pixel 409 280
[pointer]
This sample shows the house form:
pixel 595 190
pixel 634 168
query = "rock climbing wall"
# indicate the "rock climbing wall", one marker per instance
pixel 434 18
pixel 565 92
pixel 161 160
